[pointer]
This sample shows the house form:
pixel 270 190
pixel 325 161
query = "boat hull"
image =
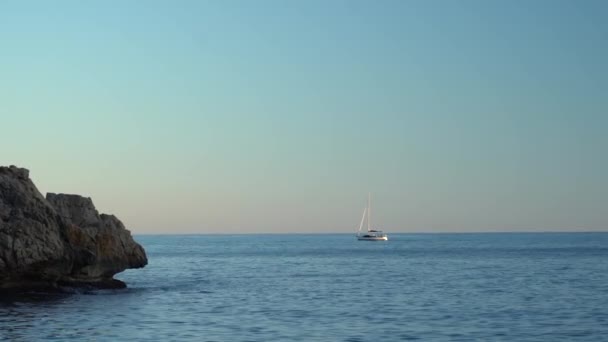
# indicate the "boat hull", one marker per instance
pixel 372 238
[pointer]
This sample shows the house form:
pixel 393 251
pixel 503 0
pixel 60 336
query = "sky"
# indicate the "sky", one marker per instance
pixel 280 116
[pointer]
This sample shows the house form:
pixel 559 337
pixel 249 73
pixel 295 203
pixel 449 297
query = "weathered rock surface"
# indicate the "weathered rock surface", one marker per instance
pixel 60 240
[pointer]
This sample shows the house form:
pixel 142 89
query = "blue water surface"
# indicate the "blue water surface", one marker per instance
pixel 431 287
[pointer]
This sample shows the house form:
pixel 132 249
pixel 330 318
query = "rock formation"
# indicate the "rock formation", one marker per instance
pixel 60 240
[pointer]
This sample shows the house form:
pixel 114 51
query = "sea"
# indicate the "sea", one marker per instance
pixel 331 287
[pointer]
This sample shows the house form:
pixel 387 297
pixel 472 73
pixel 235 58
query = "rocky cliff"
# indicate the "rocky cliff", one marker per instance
pixel 60 240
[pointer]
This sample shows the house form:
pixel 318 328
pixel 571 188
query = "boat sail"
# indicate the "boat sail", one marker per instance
pixel 371 234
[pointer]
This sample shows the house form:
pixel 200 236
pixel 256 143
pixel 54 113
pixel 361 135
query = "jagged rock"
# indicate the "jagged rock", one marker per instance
pixel 60 240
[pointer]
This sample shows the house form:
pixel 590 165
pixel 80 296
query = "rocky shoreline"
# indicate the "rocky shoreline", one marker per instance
pixel 57 241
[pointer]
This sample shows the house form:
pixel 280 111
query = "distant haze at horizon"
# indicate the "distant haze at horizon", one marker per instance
pixel 280 117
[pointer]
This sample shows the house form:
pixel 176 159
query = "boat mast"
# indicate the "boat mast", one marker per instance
pixel 369 210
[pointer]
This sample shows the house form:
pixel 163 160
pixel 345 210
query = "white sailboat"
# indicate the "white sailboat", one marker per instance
pixel 371 234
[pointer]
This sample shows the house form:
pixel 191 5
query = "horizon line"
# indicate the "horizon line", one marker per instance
pixel 399 233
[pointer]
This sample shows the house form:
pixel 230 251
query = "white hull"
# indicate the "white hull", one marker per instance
pixel 372 238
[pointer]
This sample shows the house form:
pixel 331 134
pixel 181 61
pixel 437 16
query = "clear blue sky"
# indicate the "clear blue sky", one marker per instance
pixel 280 116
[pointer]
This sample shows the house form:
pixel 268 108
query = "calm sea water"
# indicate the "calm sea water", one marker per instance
pixel 439 287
